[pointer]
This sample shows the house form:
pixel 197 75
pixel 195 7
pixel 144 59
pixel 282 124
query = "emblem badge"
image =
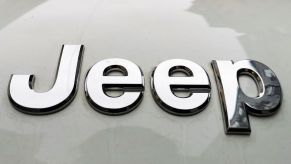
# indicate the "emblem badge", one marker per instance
pixel 235 104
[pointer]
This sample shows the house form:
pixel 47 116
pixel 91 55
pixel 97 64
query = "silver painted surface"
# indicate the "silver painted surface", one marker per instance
pixel 164 85
pixel 145 32
pixel 99 80
pixel 235 104
pixel 25 99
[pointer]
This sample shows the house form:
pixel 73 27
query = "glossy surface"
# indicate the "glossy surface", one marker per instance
pixel 235 104
pixel 145 32
pixel 99 80
pixel 21 87
pixel 164 85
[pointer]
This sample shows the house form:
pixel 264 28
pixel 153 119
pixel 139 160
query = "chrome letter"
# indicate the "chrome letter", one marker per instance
pixel 98 81
pixel 235 104
pixel 163 86
pixel 26 100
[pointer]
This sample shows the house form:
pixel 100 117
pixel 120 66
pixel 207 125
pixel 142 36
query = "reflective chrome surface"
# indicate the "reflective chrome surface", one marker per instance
pixel 164 85
pixel 99 80
pixel 145 32
pixel 235 104
pixel 25 99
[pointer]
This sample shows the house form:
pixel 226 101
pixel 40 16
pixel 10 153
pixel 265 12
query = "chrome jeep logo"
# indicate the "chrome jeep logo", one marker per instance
pixel 234 103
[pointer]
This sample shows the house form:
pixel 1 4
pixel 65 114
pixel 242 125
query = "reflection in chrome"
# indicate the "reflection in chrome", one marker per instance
pixel 235 104
pixel 164 85
pixel 25 99
pixel 99 80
